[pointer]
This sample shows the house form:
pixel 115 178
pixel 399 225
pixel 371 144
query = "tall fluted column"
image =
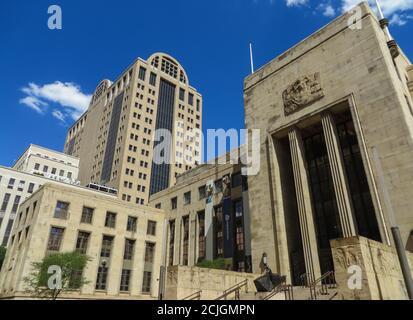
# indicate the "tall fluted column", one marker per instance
pixel 305 209
pixel 338 174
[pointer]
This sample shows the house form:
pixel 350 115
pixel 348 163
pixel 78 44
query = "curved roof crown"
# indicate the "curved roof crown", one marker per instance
pixel 168 65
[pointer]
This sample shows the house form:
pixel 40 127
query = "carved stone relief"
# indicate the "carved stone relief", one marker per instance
pixel 302 93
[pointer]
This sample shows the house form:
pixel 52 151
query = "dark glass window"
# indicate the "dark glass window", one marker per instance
pixel 11 183
pixel 106 246
pixel 358 185
pixel 142 73
pixel 110 220
pixel 174 203
pixel 149 252
pixel 191 99
pixel 31 188
pixel 102 278
pixel 132 222
pixel 55 239
pixel 201 236
pixel 218 232
pixel 61 210
pixel 152 79
pixel 171 241
pixel 187 198
pixel 125 280
pixel 218 186
pixel 236 180
pixel 147 281
pixel 15 204
pixel 129 248
pixel 202 192
pixel 151 229
pixel 82 242
pixel 181 94
pixel 5 203
pixel 87 215
pixel 185 239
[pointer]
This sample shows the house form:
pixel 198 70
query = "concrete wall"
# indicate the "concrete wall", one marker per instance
pixel 381 274
pixel 182 281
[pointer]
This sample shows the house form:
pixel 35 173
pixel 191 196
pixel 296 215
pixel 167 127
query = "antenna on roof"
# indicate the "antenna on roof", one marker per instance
pixel 383 21
pixel 252 59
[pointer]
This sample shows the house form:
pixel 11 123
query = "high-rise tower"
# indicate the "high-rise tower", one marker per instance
pixel 116 138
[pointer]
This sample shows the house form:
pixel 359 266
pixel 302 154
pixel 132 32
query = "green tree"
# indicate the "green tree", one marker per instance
pixel 2 255
pixel 57 273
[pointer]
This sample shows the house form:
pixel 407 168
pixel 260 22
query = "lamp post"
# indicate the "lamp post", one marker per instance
pixel 401 252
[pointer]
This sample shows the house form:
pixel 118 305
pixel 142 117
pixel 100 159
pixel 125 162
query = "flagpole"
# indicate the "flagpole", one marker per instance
pixel 251 59
pixel 383 19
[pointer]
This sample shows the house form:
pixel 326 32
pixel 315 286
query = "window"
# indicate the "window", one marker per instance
pixel 11 183
pixel 45 169
pixel 106 246
pixel 132 222
pixel 174 203
pixel 110 220
pixel 37 166
pixel 69 175
pixel 21 185
pixel 187 198
pixel 54 170
pixel 6 200
pixel 152 79
pixel 149 252
pixel 61 173
pixel 158 206
pixel 181 94
pixel 151 230
pixel 185 253
pixel 201 236
pixel 55 239
pixel 202 192
pixel 191 99
pixel 218 186
pixel 198 105
pixel 62 210
pixel 125 280
pixel 236 180
pixel 101 278
pixel 87 215
pixel 142 73
pixel 82 242
pixel 31 188
pixel 15 204
pixel 146 284
pixel 218 232
pixel 129 248
pixel 171 241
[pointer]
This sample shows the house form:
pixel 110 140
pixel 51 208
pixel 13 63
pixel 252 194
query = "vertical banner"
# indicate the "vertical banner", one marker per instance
pixel 228 220
pixel 209 211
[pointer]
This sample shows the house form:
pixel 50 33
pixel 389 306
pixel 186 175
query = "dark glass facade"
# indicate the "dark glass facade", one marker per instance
pixel 164 120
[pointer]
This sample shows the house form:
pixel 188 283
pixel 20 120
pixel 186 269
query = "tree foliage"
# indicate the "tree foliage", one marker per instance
pixel 57 273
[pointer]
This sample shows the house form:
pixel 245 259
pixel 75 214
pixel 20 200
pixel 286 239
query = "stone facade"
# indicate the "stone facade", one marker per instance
pixel 86 213
pixel 182 282
pixel 337 69
pixel 381 274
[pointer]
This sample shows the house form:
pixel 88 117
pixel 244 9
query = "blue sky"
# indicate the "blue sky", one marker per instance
pixel 46 76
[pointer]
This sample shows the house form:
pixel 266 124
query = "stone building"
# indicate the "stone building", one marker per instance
pixel 124 242
pixel 116 137
pixel 336 120
pixel 208 216
pixel 34 168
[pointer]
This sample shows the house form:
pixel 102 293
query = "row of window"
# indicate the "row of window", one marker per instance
pixel 236 180
pixel 53 171
pixel 20 187
pixel 62 212
pixel 82 244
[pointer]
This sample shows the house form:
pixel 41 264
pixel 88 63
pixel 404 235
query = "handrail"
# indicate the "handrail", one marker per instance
pixel 283 287
pixel 325 285
pixel 194 296
pixel 236 288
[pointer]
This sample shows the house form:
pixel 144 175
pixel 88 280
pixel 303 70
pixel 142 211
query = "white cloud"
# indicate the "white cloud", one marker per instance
pixel 295 3
pixel 400 19
pixel 389 7
pixel 33 103
pixel 327 9
pixel 68 96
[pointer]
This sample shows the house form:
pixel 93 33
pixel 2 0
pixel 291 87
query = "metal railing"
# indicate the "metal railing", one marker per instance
pixel 234 289
pixel 327 281
pixel 194 296
pixel 283 287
